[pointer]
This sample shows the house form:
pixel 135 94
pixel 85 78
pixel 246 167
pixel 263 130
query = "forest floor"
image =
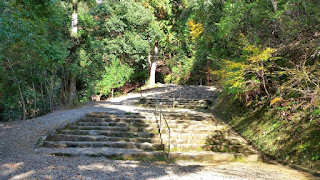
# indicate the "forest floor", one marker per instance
pixel 19 158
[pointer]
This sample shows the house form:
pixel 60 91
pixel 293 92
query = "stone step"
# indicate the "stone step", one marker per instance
pixel 214 156
pixel 75 138
pixel 119 120
pixel 165 140
pixel 168 103
pixel 146 121
pixel 184 117
pixel 91 144
pixel 175 103
pixel 192 129
pixel 218 135
pixel 166 106
pixel 107 152
pixel 203 139
pixel 151 117
pixel 188 114
pixel 173 100
pixel 207 147
pixel 138 115
pixel 129 154
pixel 118 124
pixel 115 128
pixel 110 133
pixel 154 125
pixel 110 115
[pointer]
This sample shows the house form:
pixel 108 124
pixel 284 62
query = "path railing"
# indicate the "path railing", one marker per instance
pixel 160 123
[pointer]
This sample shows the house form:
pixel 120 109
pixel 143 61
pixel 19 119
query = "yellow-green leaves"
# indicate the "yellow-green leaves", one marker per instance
pixel 195 29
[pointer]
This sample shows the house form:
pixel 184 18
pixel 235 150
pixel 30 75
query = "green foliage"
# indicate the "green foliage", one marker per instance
pixel 123 30
pixel 274 132
pixel 247 74
pixel 316 112
pixel 116 74
pixel 181 70
pixel 32 48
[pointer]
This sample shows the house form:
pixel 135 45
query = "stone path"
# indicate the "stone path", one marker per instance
pixel 20 159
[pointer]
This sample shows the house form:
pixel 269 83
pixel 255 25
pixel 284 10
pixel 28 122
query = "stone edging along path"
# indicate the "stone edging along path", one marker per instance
pixel 19 158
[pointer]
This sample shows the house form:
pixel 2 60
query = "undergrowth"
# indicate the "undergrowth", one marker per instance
pixel 282 130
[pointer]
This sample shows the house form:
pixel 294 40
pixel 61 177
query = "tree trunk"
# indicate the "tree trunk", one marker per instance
pixel 52 91
pixel 263 80
pixel 64 87
pixel 208 72
pixel 73 53
pixel 72 90
pixel 275 5
pixel 152 80
pixel 74 22
pixel 35 100
pixel 149 64
pixel 23 104
pixel 49 94
pixel 305 6
pixel 42 98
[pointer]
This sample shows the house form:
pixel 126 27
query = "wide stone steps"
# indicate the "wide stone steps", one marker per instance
pixel 148 121
pixel 138 135
pixel 180 115
pixel 181 129
pixel 182 106
pixel 117 124
pixel 175 103
pixel 91 144
pixel 113 115
pixel 146 146
pixel 75 138
pixel 129 154
pixel 173 124
pixel 110 133
pixel 99 138
pixel 221 135
pixel 175 100
pixel 185 116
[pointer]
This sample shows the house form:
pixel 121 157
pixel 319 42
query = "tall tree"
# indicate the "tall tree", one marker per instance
pixel 152 79
pixel 126 31
pixel 275 5
pixel 33 46
pixel 73 53
pixel 73 59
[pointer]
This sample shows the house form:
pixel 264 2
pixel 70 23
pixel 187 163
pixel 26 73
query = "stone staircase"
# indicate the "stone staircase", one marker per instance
pixel 137 136
pixel 176 103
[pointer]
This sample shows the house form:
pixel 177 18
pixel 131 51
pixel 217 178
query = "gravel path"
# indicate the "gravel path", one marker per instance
pixel 19 158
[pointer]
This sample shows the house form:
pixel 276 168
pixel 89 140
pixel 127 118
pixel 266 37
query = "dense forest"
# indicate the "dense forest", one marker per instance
pixel 263 54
